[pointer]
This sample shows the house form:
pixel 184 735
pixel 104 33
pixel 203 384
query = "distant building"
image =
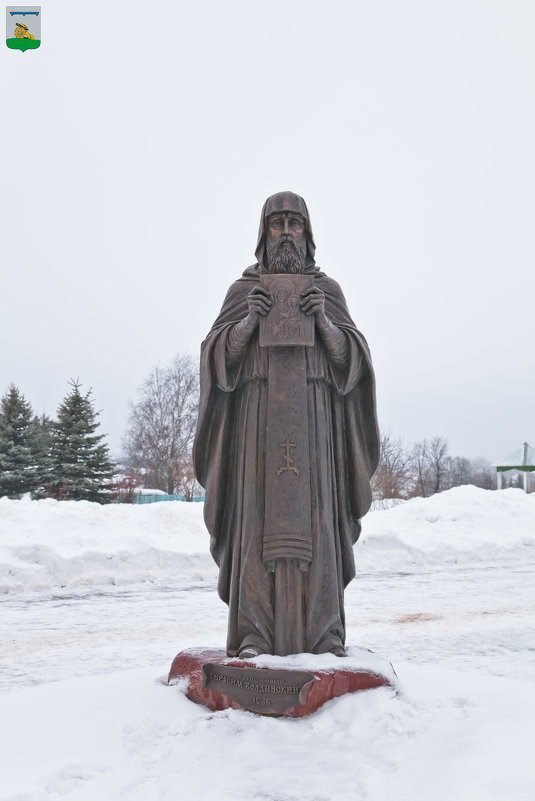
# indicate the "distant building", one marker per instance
pixel 522 461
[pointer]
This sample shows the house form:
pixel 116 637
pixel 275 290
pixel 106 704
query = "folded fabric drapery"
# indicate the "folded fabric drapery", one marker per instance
pixel 287 523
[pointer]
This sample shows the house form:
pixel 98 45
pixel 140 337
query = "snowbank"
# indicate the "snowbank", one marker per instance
pixel 50 544
pixel 463 524
pixel 47 544
pixel 449 736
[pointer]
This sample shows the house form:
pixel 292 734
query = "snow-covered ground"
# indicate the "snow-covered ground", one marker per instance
pixel 97 600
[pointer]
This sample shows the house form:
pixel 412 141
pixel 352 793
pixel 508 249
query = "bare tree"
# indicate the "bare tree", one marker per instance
pixel 459 471
pixel 189 486
pixel 431 464
pixel 425 470
pixel 420 463
pixel 438 458
pixel 125 485
pixel 161 424
pixel 483 474
pixel 394 476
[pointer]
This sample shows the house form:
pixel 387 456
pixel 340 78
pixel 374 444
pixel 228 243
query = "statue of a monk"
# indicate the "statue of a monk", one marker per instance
pixel 286 444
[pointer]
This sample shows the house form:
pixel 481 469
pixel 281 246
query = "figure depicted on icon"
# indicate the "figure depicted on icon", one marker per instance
pixel 284 320
pixel 286 323
pixel 286 444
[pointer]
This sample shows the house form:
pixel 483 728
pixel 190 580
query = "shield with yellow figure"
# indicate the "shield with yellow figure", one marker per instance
pixel 23 27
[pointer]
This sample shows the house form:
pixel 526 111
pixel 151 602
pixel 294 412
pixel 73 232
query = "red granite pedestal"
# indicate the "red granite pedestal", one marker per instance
pixel 292 686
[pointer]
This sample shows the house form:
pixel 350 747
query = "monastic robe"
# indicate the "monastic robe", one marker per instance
pixel 230 457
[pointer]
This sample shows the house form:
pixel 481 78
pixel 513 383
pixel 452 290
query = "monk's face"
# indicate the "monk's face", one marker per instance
pixel 286 242
pixel 286 227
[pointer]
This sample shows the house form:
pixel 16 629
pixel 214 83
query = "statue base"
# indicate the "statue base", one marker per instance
pixel 291 686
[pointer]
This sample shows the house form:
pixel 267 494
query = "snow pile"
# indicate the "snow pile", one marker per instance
pixel 464 524
pixel 50 544
pixel 449 736
pixel 45 544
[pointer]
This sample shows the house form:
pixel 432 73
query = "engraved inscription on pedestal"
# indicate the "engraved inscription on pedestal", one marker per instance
pixel 286 323
pixel 270 692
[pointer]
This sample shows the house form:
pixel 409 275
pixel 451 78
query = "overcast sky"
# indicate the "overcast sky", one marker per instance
pixel 138 146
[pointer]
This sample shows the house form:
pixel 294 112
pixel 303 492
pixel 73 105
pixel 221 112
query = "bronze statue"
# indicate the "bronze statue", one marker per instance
pixel 286 444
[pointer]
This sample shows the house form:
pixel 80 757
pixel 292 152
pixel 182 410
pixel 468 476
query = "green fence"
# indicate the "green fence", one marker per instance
pixel 156 498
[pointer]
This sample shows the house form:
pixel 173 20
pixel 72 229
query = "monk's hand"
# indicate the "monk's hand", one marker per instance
pixel 259 303
pixel 313 302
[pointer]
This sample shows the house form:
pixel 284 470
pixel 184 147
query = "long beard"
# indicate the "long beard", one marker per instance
pixel 285 258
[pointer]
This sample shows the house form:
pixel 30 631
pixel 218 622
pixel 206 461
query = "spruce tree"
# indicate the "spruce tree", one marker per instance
pixel 43 427
pixel 80 459
pixel 19 448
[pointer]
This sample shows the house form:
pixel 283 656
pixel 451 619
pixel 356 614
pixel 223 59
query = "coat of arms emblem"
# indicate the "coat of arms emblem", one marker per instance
pixel 23 27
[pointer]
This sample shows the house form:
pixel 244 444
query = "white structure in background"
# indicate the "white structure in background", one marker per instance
pixel 522 459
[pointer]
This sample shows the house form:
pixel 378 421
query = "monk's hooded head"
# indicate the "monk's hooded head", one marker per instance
pixel 285 240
